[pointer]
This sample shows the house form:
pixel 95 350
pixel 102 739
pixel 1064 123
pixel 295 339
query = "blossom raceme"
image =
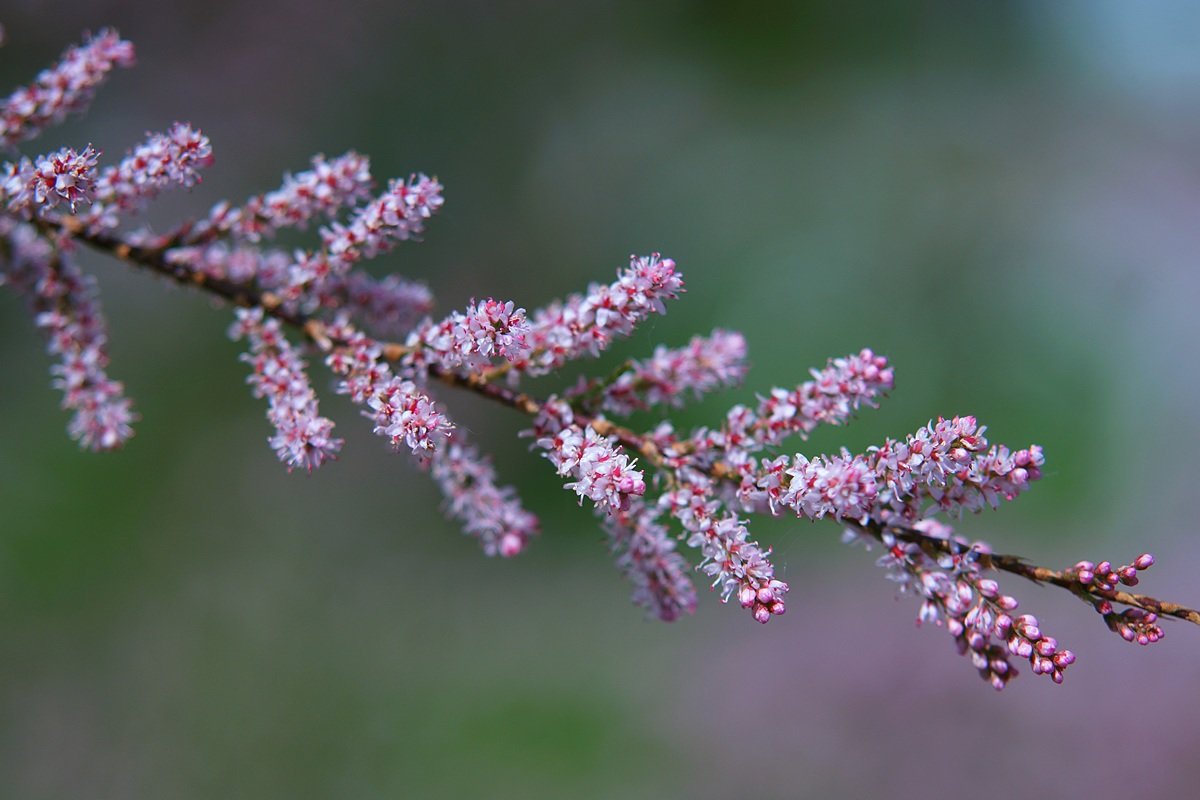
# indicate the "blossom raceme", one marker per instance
pixel 670 377
pixel 490 512
pixel 65 176
pixel 585 324
pixel 63 89
pixel 602 473
pixel 671 501
pixel 164 159
pixel 303 438
pixel 65 305
pixel 318 193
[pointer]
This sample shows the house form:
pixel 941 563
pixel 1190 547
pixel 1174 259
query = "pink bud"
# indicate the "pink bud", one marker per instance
pixel 1046 647
pixel 1144 561
pixel 1007 602
pixel 510 545
pixel 762 614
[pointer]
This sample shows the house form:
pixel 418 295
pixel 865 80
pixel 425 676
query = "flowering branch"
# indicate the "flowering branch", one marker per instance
pixel 650 489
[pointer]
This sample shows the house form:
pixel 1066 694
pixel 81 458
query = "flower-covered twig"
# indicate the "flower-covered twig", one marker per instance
pixel 651 490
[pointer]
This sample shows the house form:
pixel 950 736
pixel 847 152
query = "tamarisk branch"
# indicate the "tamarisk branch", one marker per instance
pixel 652 490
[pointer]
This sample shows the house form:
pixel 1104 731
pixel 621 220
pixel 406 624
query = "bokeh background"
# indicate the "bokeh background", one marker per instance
pixel 1001 197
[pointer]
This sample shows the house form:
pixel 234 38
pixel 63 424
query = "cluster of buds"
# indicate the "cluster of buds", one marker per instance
pixel 1107 577
pixel 948 573
pixel 1104 580
pixel 652 491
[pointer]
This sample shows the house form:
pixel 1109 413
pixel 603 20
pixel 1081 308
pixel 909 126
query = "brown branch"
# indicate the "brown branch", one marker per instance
pixel 1017 565
pixel 152 258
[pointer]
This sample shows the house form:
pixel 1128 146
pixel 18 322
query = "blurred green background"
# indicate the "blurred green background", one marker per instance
pixel 1001 197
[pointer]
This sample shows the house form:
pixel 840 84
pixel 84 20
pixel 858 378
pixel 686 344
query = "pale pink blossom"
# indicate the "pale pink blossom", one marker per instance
pixel 302 438
pixel 163 160
pixel 738 566
pixel 402 411
pixel 673 376
pixel 66 176
pixel 65 88
pixel 66 308
pixel 320 192
pixel 602 473
pixel 646 555
pixel 490 512
pixel 489 329
pixel 586 324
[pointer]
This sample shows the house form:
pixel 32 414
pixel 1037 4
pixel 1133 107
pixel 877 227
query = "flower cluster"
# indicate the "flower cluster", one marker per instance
pixel 602 473
pixel 651 490
pixel 320 192
pixel 1132 624
pixel 401 411
pixel 646 554
pixel 65 306
pixel 63 89
pixel 391 306
pixel 396 215
pixel 585 324
pixel 489 329
pixel 954 592
pixel 164 159
pixel 737 565
pixel 671 377
pixel 489 512
pixel 303 438
pixel 942 467
pixel 65 176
